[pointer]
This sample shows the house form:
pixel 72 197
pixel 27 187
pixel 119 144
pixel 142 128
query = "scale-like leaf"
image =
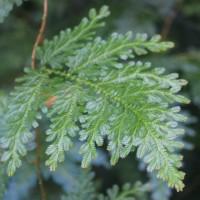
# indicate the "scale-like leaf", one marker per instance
pixel 105 96
pixel 64 114
pixel 56 51
pixel 22 115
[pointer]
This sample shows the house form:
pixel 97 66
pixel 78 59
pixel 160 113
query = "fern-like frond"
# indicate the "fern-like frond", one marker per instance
pixel 64 114
pixel 83 187
pixel 132 107
pixel 22 115
pixel 130 104
pixel 3 130
pixel 6 6
pixel 94 127
pixel 111 52
pixel 3 111
pixel 56 52
pixel 128 192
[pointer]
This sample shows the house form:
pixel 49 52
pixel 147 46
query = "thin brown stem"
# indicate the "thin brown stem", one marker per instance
pixel 33 63
pixel 167 25
pixel 169 21
pixel 38 164
pixel 40 34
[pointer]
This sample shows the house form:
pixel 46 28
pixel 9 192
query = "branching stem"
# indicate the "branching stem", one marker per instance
pixel 169 21
pixel 40 34
pixel 33 63
pixel 38 164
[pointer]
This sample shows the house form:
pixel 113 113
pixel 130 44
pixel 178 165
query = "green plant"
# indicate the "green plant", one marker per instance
pixel 84 189
pixel 100 95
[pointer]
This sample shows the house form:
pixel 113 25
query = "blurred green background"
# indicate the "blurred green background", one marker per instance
pixel 175 20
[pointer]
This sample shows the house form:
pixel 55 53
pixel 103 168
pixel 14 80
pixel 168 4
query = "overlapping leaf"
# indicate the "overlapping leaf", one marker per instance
pixel 64 114
pixel 106 96
pixel 56 52
pixel 22 115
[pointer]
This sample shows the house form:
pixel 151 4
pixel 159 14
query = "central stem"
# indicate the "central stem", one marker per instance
pixel 33 64
pixel 38 164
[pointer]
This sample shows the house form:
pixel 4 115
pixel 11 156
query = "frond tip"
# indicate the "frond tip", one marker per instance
pixel 56 51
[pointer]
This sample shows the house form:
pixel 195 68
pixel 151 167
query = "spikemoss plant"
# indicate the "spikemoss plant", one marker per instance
pixel 101 95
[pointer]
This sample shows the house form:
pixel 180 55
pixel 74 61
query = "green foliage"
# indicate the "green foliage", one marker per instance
pixel 64 124
pixel 6 6
pixel 84 189
pixel 102 95
pixel 56 52
pixel 3 176
pixel 128 192
pixel 22 115
pixel 3 111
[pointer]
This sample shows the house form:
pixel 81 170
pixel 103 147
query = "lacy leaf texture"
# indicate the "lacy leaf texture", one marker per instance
pixel 102 96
